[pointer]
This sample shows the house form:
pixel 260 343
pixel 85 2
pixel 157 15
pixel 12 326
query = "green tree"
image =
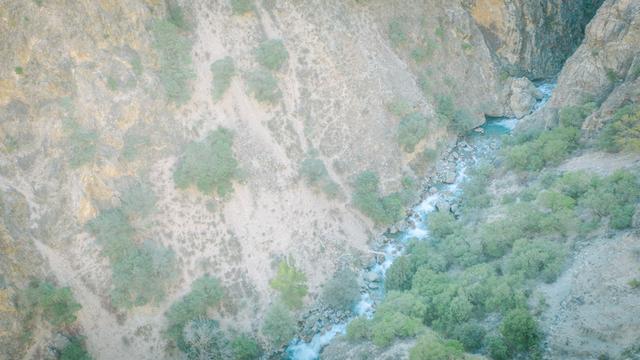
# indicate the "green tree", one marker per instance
pixel 342 290
pixel 429 347
pixel 209 164
pixel 622 132
pixel 56 305
pixel 176 67
pixel 204 340
pixel 245 347
pixel 272 54
pixel 399 275
pixel 411 129
pixel 223 71
pixel 291 283
pixel 75 350
pixel 520 331
pixel 279 325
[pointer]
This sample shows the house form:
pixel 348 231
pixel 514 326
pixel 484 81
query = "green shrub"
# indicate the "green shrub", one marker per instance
pixel 113 232
pixel 315 174
pixel 175 15
pixel 445 107
pixel 82 144
pixel 549 148
pixel 441 224
pixel 411 129
pixel 134 143
pixel 279 325
pixel 397 33
pixel 622 132
pixel 241 7
pixel 471 335
pixel 205 292
pixel 574 184
pixel 536 258
pixel 424 51
pixel 75 350
pixel 140 277
pixel 342 290
pixel 520 331
pixel 56 305
pixel 574 116
pixel 390 326
pixel 176 68
pixel 208 164
pixel 271 54
pixel 399 275
pixel 424 254
pixel 291 283
pixel 429 347
pixel 223 71
pixel 497 348
pixel 614 196
pixel 245 347
pixel 359 329
pixel 382 210
pixel 263 86
pixel 138 200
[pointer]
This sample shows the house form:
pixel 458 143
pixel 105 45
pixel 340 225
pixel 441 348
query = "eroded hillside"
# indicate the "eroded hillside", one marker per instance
pixel 147 144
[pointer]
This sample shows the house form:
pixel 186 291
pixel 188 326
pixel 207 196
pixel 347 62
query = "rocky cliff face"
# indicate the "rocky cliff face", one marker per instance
pixel 604 69
pixel 85 68
pixel 530 38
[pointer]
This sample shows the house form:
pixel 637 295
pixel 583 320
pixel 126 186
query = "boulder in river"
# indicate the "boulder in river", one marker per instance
pixel 371 276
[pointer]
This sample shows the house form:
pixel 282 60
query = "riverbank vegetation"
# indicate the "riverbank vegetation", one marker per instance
pixel 472 281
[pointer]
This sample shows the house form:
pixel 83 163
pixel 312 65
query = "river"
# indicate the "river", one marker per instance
pixel 474 148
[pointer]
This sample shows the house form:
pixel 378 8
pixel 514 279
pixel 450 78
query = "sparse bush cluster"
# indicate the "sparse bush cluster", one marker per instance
pixel 279 325
pixel 261 83
pixel 223 71
pixel 411 130
pixel 382 210
pixel 209 164
pixel 314 172
pixel 622 132
pixel 174 53
pixel 82 144
pixel 240 7
pixel 341 291
pixel 54 304
pixel 272 54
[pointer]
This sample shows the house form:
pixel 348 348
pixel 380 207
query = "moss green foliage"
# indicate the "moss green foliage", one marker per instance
pixel 138 200
pixel 176 16
pixel 206 292
pixel 244 347
pixel 613 197
pixel 75 350
pixel 314 172
pixel 82 144
pixel 135 143
pixel 55 304
pixel 399 275
pixel 279 325
pixel 430 347
pixel 208 164
pixel 140 273
pixel 291 283
pixel 240 7
pixel 176 68
pixel 471 335
pixel 19 70
pixel 423 51
pixel 223 71
pixel 622 132
pixel 462 121
pixel 399 316
pixel 535 151
pixel 272 54
pixel 382 210
pixel 263 86
pixel 411 129
pixel 520 331
pixel 342 290
pixel 536 259
pixel 397 33
pixel 445 107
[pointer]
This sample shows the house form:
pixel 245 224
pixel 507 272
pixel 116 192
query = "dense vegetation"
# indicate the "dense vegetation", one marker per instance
pixel 411 129
pixel 381 209
pixel 484 263
pixel 341 291
pixel 54 304
pixel 271 54
pixel 174 53
pixel 279 325
pixel 209 164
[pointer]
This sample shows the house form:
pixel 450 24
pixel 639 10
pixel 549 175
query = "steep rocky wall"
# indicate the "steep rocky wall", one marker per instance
pixel 604 69
pixel 92 64
pixel 532 38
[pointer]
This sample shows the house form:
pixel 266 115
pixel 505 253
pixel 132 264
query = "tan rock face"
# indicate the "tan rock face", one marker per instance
pixel 532 38
pixel 91 65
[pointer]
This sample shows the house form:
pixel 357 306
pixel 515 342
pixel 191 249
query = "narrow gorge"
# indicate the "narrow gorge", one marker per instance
pixel 339 179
